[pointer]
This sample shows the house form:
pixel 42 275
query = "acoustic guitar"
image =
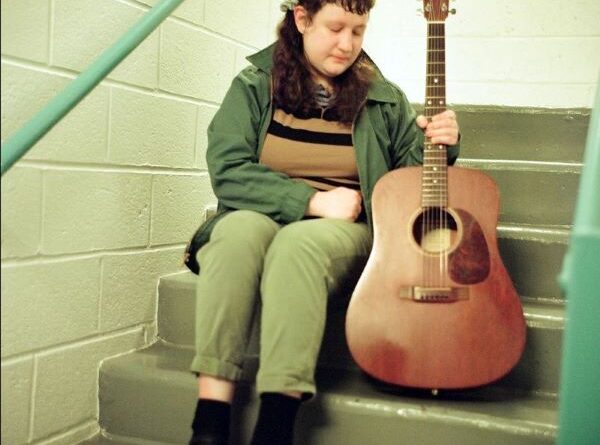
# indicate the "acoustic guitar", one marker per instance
pixel 434 307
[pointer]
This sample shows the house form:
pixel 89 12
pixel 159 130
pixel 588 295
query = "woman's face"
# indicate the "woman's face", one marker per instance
pixel 332 40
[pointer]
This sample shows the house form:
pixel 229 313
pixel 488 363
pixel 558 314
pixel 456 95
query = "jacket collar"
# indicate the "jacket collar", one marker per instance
pixel 379 90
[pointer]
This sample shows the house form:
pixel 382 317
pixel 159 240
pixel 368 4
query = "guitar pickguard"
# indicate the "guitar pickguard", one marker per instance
pixel 469 262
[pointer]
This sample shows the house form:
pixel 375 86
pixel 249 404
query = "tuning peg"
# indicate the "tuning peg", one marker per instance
pixel 452 11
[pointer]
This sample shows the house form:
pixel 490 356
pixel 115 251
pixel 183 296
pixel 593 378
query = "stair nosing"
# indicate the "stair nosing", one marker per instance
pixel 534 232
pixel 412 411
pixel 483 164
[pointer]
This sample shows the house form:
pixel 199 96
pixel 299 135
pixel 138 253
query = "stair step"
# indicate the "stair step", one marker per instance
pixel 534 193
pixel 150 394
pixel 486 416
pixel 523 134
pixel 533 257
pixel 538 369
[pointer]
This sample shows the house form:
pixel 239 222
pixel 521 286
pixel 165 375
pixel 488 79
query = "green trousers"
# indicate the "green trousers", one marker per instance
pixel 288 274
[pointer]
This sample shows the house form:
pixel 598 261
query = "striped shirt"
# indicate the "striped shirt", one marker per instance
pixel 314 149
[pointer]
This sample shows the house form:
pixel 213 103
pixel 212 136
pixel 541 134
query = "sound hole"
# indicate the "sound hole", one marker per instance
pixel 435 230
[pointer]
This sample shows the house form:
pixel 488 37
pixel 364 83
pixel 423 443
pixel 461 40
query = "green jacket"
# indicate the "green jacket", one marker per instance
pixel 384 134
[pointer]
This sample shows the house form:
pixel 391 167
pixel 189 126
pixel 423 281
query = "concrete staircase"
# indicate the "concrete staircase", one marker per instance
pixel 148 397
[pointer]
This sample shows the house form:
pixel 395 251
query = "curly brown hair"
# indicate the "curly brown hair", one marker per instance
pixel 292 82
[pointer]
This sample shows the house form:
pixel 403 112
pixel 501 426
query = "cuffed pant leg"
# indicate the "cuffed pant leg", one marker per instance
pixel 227 291
pixel 306 262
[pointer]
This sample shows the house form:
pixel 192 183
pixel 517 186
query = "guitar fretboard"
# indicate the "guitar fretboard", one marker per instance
pixel 434 183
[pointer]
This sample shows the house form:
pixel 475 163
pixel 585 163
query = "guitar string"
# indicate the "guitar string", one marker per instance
pixel 440 209
pixel 445 158
pixel 433 95
pixel 439 219
pixel 441 213
pixel 428 146
pixel 426 198
pixel 435 219
pixel 440 43
pixel 430 180
pixel 436 181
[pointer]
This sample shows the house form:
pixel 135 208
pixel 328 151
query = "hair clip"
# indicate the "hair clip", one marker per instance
pixel 288 5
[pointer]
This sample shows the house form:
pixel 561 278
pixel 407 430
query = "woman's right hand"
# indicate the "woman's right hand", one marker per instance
pixel 340 203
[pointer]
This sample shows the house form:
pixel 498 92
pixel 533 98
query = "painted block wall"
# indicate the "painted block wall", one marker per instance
pixel 534 53
pixel 104 204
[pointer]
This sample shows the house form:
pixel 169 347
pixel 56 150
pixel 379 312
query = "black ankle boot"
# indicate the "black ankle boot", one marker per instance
pixel 211 423
pixel 276 418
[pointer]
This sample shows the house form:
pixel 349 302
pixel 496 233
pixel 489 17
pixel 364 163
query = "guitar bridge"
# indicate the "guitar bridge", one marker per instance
pixel 435 294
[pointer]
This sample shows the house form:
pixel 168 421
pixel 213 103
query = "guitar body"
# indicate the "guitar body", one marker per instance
pixel 435 315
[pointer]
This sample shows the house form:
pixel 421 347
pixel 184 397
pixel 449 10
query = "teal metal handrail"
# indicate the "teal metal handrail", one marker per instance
pixel 579 394
pixel 30 133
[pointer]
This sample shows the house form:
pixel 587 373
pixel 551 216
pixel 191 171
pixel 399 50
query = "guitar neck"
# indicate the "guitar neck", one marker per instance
pixel 435 93
pixel 435 164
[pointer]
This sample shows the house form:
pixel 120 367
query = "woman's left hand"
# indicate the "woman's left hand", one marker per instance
pixel 442 129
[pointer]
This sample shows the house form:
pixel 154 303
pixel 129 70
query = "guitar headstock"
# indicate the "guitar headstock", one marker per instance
pixel 436 10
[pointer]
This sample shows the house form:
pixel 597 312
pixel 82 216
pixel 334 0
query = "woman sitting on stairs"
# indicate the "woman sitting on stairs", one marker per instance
pixel 293 154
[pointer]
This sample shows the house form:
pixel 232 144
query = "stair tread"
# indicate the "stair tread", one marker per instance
pixel 488 404
pixel 101 439
pixel 185 280
pixel 497 407
pixel 160 362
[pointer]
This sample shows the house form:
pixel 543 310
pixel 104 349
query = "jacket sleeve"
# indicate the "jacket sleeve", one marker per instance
pixel 407 138
pixel 238 179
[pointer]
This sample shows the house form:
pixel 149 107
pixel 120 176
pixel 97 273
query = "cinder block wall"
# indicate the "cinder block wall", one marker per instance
pixel 104 204
pixel 534 53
